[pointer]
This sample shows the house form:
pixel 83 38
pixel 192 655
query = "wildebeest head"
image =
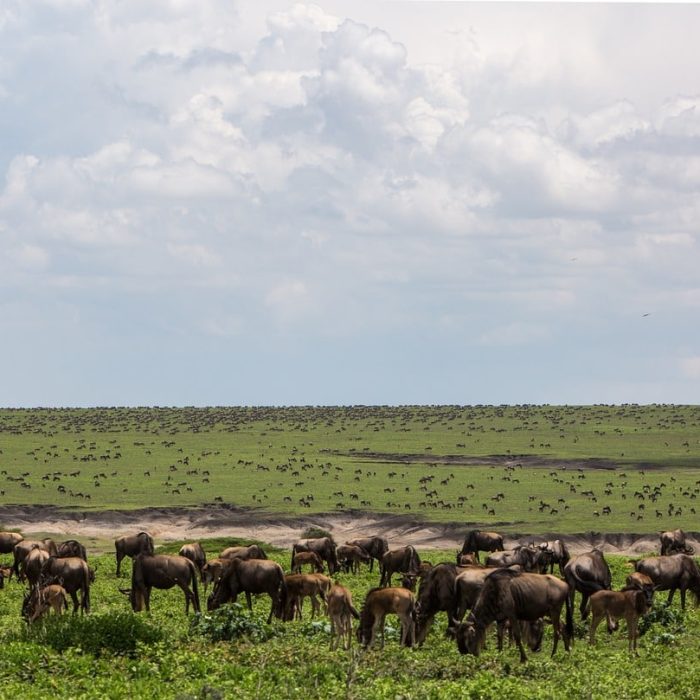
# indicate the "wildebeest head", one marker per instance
pixel 469 637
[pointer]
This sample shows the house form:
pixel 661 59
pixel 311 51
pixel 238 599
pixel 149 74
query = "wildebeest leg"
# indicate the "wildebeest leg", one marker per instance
pixel 595 621
pixel 147 598
pixel 249 600
pixel 670 596
pixel 556 629
pixel 74 598
pixel 515 626
pixel 120 556
pixel 682 598
pixel 315 607
pixel 500 633
pixel 273 605
pixel 584 606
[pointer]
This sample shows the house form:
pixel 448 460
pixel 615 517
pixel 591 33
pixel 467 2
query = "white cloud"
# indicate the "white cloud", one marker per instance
pixel 690 366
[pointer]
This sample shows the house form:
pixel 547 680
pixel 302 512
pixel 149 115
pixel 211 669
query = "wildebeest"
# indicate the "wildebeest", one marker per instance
pixel 555 552
pixel 72 548
pixel 8 540
pixel 527 557
pixel 467 588
pixel 477 541
pixel 251 551
pixel 251 576
pixel 350 556
pixel 162 571
pixel 381 602
pixel 671 573
pixel 628 603
pixel 404 560
pixel 73 574
pixel 436 594
pixel 31 566
pixel 5 573
pixel 323 546
pixel 131 546
pixel 341 611
pixel 38 601
pixel 23 548
pixel 513 596
pixel 311 559
pixel 195 553
pixel 641 582
pixel 466 559
pixel 375 546
pixel 674 542
pixel 212 570
pixel 587 573
pixel 300 586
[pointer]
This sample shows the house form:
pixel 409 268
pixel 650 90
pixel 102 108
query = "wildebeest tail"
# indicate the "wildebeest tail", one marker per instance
pixel 195 587
pixel 282 597
pixel 353 611
pixel 584 585
pixel 569 620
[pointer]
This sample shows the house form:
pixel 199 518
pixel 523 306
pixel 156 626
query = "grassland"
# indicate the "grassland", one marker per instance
pixel 115 654
pixel 518 468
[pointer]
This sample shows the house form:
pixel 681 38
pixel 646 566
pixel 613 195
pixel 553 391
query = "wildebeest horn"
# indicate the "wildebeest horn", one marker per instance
pixel 125 591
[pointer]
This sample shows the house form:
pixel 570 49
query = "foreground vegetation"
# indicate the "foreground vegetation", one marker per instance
pixel 113 653
pixel 518 468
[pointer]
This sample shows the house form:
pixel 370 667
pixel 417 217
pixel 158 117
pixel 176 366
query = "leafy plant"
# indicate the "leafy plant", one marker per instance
pixel 231 622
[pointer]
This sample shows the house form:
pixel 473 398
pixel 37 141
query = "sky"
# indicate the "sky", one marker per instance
pixel 220 202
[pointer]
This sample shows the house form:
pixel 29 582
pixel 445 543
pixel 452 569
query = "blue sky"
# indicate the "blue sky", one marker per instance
pixel 208 202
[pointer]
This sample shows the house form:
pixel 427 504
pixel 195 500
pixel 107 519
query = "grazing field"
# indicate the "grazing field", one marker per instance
pixel 113 653
pixel 519 468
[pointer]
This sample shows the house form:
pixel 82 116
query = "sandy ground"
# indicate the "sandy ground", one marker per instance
pixel 194 524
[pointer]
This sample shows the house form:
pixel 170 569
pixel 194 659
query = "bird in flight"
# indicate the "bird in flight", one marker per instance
pixel 644 315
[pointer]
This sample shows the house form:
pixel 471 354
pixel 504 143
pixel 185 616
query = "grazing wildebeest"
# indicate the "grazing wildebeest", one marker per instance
pixel 673 542
pixel 555 552
pixel 195 553
pixel 31 566
pixel 404 560
pixel 672 572
pixel 323 546
pixel 350 556
pixel 162 571
pixel 251 576
pixel 311 559
pixel 252 551
pixel 300 586
pixel 641 582
pixel 409 580
pixel 73 574
pixel 436 594
pixel 513 596
pixel 341 611
pixel 72 548
pixel 25 546
pixel 381 602
pixel 5 573
pixel 467 587
pixel 628 603
pixel 39 601
pixel 477 541
pixel 212 570
pixel 376 547
pixel 466 559
pixel 527 557
pixel 131 546
pixel 587 573
pixel 8 540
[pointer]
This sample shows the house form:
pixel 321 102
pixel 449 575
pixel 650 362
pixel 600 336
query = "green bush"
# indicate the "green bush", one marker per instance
pixel 231 622
pixel 314 532
pixel 115 632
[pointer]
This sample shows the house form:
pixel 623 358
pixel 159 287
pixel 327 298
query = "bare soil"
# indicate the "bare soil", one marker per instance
pixel 172 524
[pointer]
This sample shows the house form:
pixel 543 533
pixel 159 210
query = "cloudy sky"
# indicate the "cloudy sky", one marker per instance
pixel 227 202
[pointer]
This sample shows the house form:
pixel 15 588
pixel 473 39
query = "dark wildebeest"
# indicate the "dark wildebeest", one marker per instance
pixel 404 560
pixel 350 556
pixel 252 551
pixel 8 540
pixel 477 541
pixel 555 552
pixel 435 594
pixel 5 573
pixel 323 546
pixel 72 548
pixel 673 542
pixel 251 576
pixel 162 571
pixel 376 547
pixel 409 580
pixel 629 603
pixel 133 545
pixel 675 571
pixel 526 557
pixel 508 595
pixel 31 566
pixel 39 601
pixel 195 553
pixel 341 611
pixel 310 559
pixel 381 602
pixel 587 573
pixel 73 574
pixel 25 546
pixel 467 588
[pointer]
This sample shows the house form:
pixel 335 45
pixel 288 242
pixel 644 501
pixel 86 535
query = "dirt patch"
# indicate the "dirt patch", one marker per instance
pixel 168 524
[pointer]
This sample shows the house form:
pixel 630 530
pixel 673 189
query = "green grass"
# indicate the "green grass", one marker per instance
pixel 114 654
pixel 324 460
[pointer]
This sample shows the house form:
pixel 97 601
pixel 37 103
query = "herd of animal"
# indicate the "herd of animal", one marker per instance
pixel 515 589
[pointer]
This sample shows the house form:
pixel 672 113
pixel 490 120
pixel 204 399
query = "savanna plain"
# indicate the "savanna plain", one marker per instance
pixel 522 470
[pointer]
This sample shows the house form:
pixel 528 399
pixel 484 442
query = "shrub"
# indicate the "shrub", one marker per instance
pixel 314 532
pixel 231 622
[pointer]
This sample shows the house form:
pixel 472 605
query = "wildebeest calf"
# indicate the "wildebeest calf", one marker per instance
pixel 629 604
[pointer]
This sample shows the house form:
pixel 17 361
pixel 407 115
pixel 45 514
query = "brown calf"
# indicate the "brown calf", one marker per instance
pixel 628 603
pixel 310 558
pixel 341 611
